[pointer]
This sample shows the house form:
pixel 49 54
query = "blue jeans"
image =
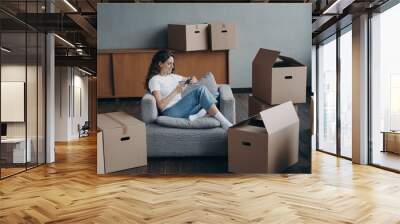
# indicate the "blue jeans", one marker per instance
pixel 199 98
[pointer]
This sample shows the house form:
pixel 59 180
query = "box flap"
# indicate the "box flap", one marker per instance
pixel 266 56
pixel 284 61
pixel 279 117
pixel 116 120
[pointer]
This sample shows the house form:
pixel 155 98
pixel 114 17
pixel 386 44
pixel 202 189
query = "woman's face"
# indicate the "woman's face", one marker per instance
pixel 167 66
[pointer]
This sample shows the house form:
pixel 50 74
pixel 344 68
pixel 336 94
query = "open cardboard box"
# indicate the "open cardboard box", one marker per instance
pixel 268 143
pixel 277 79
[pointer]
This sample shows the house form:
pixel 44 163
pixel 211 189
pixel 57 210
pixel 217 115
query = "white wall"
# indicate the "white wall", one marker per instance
pixel 62 82
pixel 70 83
pixel 12 73
pixel 80 84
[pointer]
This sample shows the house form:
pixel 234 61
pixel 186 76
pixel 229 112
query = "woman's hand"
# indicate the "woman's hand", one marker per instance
pixel 180 87
pixel 194 80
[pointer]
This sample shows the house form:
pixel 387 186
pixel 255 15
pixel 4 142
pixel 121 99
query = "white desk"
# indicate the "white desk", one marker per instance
pixel 18 149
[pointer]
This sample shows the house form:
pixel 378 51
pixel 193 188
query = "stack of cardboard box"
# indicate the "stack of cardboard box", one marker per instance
pixel 197 37
pixel 268 142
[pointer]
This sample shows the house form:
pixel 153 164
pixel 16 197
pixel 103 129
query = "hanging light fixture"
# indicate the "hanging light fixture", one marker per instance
pixel 84 71
pixel 5 50
pixel 70 5
pixel 65 41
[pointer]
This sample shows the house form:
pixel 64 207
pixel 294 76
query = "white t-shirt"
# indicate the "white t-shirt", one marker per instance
pixel 166 84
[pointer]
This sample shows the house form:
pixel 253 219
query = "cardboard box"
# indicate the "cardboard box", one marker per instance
pixel 256 105
pixel 222 36
pixel 277 79
pixel 187 37
pixel 265 144
pixel 121 142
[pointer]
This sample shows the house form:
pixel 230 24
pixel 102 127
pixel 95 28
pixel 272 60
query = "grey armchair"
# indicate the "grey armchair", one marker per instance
pixel 175 142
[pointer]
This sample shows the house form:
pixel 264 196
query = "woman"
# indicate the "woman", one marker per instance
pixel 167 89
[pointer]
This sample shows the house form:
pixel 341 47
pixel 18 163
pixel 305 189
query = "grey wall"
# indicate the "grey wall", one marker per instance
pixel 283 27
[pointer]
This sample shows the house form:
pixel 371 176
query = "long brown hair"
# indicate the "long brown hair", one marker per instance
pixel 154 68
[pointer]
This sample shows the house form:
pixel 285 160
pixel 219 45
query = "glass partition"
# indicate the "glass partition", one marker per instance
pixel 346 93
pixel 22 88
pixel 385 89
pixel 13 94
pixel 326 96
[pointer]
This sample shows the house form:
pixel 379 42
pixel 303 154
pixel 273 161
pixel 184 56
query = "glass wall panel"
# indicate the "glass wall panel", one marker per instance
pixel 346 93
pixel 327 96
pixel 385 89
pixel 13 89
pixel 22 90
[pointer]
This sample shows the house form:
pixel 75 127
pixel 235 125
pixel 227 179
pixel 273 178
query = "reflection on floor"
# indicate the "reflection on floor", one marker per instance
pixel 387 159
pixel 10 171
pixel 346 152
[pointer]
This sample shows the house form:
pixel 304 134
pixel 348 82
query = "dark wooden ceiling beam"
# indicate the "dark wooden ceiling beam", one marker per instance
pixel 84 24
pixel 83 61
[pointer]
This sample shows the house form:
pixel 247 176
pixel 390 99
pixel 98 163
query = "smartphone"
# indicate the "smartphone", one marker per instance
pixel 187 81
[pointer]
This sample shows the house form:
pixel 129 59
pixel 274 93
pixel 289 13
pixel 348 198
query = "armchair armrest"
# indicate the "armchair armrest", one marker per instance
pixel 149 108
pixel 227 102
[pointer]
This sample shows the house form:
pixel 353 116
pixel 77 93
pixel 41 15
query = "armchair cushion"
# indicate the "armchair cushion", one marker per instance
pixel 208 81
pixel 200 123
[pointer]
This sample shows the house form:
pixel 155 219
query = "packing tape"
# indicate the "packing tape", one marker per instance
pixel 124 127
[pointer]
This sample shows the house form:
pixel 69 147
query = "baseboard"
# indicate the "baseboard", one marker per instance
pixel 241 90
pixel 119 100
